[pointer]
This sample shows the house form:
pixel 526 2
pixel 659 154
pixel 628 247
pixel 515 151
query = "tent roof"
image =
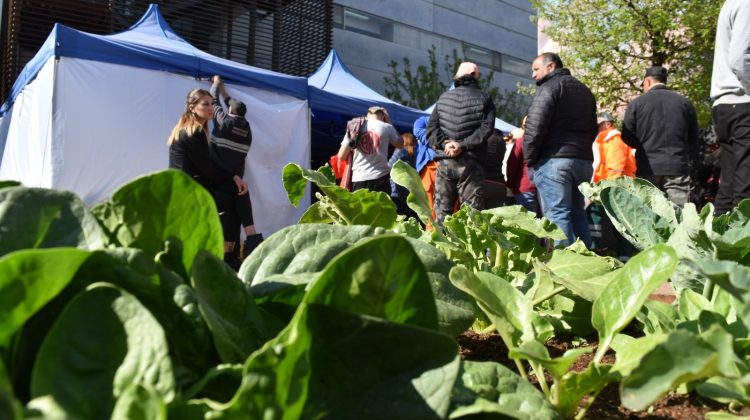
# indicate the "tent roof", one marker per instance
pixel 334 88
pixel 151 43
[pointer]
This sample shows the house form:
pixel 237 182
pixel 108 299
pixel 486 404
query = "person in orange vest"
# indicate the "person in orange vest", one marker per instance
pixel 612 159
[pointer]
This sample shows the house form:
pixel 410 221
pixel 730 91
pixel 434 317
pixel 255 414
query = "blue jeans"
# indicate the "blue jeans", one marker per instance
pixel 527 199
pixel 557 181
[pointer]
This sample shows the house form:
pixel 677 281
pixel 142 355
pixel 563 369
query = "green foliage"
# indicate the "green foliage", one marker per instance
pixel 609 44
pixel 421 87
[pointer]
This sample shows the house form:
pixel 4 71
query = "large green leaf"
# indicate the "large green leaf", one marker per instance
pixel 362 207
pixel 637 209
pixel 518 220
pixel 29 279
pixel 381 277
pixel 404 175
pixel 149 210
pixel 511 312
pixel 621 300
pixel 41 218
pixel 315 368
pixel 729 275
pixel 658 317
pixel 575 385
pixel 235 321
pixel 631 350
pixel 681 358
pixel 104 342
pixel 491 389
pixel 140 402
pixel 295 255
pixel 724 390
pixel 732 241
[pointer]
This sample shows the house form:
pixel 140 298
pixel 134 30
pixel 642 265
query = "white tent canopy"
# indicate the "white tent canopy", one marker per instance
pixel 92 112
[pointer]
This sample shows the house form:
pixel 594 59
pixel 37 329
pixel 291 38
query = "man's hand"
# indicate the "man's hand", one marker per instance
pixel 452 148
pixel 241 185
pixel 216 79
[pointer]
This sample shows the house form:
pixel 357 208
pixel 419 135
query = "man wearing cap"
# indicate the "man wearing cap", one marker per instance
pixel 458 130
pixel 661 125
pixel 560 129
pixel 369 139
pixel 730 90
pixel 229 145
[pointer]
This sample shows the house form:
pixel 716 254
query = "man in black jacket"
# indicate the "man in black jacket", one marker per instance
pixel 557 146
pixel 461 123
pixel 662 127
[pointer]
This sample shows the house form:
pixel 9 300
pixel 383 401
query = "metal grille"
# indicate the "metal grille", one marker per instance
pixel 289 36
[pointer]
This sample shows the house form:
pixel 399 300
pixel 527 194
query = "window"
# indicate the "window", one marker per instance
pixel 338 16
pixel 367 24
pixel 516 66
pixel 478 55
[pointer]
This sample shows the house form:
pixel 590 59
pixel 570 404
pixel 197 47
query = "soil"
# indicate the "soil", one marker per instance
pixel 490 347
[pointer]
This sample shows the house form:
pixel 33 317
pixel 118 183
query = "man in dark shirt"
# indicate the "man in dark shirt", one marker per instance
pixel 663 128
pixel 557 145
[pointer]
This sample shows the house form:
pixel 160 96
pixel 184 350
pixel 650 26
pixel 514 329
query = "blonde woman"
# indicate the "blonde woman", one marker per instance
pixel 188 152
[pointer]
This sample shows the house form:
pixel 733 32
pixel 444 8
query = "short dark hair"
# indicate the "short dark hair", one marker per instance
pixel 550 57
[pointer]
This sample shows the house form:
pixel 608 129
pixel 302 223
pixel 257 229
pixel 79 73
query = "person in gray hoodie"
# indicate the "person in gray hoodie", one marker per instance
pixel 730 91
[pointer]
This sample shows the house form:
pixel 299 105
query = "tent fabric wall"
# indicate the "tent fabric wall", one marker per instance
pixel 27 155
pixel 81 120
pixel 110 124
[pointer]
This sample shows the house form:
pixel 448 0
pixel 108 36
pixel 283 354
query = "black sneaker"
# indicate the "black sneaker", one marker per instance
pixel 251 242
pixel 232 259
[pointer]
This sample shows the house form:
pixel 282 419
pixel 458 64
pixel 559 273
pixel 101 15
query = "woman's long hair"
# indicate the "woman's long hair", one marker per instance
pixel 188 120
pixel 409 143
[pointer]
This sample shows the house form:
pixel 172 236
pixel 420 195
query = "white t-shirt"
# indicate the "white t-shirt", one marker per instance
pixel 370 160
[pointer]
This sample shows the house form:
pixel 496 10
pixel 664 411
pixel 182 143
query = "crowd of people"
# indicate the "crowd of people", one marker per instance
pixel 563 141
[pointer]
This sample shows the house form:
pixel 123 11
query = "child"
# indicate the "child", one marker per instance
pixel 230 143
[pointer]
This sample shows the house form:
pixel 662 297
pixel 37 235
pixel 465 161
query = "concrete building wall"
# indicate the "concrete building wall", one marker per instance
pixel 368 34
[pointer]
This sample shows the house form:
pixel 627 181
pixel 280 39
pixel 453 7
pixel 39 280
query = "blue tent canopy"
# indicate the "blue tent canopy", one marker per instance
pixel 333 89
pixel 152 44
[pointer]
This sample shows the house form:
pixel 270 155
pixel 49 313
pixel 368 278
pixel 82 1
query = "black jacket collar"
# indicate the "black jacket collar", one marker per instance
pixel 552 74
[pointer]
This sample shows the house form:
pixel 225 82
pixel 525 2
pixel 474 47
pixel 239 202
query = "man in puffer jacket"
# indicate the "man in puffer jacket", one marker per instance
pixel 557 145
pixel 460 124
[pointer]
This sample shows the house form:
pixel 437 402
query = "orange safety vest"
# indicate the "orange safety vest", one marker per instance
pixel 612 157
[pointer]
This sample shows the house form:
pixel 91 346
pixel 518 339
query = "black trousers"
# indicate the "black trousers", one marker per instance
pixel 380 184
pixel 732 125
pixel 233 210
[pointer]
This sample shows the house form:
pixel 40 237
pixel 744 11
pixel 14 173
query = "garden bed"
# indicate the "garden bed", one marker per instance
pixel 490 347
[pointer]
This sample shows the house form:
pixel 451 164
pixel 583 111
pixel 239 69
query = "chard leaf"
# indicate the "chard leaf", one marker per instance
pixel 381 277
pixel 510 311
pixel 619 303
pixel 681 358
pixel 729 275
pixel 362 207
pixel 41 218
pixel 404 175
pixel 575 385
pixel 295 255
pixel 234 319
pixel 7 183
pixel 490 388
pixel 29 280
pixel 104 342
pixel 658 317
pixel 316 214
pixel 631 350
pixel 520 221
pixel 307 370
pixel 692 304
pixel 140 402
pixel 218 384
pixel 724 390
pixel 558 366
pixel 152 209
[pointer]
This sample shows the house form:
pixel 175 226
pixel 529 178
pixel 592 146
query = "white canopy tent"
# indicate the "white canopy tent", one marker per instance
pixel 92 112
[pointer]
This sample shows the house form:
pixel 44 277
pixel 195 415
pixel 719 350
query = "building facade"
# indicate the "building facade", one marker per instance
pixel 289 36
pixel 498 35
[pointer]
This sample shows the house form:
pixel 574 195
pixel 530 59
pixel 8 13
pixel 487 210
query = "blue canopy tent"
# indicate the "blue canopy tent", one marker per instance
pixel 91 112
pixel 335 96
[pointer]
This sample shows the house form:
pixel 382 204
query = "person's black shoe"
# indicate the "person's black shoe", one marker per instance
pixel 233 260
pixel 251 242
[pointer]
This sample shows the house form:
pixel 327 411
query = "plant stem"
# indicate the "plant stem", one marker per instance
pixel 540 377
pixel 708 289
pixel 603 347
pixel 499 256
pixel 489 329
pixel 551 294
pixel 521 370
pixel 580 415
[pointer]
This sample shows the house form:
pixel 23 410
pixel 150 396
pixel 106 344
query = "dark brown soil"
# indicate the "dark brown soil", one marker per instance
pixel 484 347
